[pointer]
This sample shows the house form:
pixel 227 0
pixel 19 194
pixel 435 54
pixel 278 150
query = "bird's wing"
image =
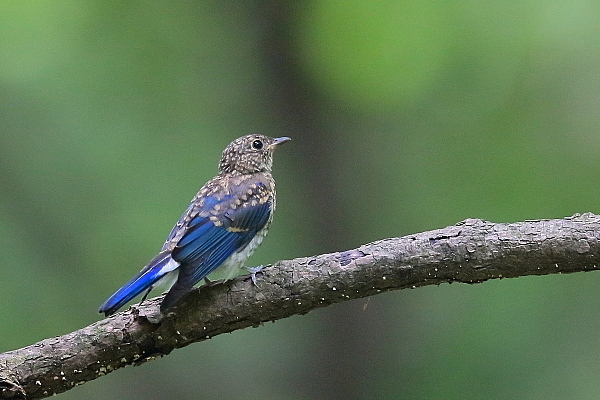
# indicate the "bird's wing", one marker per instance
pixel 211 237
pixel 194 210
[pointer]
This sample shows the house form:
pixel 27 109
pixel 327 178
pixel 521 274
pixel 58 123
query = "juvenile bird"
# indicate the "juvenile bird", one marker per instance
pixel 223 225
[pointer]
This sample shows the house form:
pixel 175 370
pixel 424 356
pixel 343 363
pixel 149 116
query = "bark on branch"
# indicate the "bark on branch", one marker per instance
pixel 471 251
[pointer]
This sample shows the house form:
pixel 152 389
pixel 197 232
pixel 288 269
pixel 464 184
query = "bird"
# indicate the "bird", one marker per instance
pixel 223 225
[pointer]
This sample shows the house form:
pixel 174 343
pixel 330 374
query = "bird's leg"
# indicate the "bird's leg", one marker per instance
pixel 253 271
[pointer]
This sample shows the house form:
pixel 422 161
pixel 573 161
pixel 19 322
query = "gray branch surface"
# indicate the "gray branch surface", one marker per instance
pixel 472 251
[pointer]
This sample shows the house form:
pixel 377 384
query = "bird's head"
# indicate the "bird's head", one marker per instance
pixel 250 154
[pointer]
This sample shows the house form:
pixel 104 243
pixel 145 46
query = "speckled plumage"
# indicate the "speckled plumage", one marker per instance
pixel 223 225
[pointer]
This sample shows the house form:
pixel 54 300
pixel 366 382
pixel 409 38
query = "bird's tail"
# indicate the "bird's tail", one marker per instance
pixel 145 279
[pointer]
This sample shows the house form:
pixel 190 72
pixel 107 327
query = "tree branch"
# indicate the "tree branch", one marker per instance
pixel 472 251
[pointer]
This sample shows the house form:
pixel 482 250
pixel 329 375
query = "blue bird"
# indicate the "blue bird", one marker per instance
pixel 223 225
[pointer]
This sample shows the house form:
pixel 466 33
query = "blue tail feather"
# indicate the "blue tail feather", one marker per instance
pixel 145 279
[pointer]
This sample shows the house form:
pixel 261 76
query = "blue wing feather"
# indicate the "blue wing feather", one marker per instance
pixel 196 230
pixel 206 245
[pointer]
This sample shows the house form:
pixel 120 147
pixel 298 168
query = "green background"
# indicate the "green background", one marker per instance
pixel 405 116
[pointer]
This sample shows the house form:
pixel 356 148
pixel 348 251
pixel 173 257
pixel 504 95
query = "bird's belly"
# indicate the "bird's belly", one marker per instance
pixel 232 265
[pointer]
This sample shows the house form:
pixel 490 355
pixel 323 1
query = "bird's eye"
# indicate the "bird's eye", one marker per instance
pixel 257 144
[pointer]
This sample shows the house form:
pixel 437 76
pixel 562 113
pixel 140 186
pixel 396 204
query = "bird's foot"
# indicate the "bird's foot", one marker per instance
pixel 253 271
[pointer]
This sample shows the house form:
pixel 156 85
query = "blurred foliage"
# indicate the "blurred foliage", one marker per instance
pixel 113 114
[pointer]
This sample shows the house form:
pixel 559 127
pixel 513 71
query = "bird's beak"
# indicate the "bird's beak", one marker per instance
pixel 279 141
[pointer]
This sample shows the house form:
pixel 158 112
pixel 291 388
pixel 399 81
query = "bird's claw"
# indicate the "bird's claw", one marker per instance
pixel 253 271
